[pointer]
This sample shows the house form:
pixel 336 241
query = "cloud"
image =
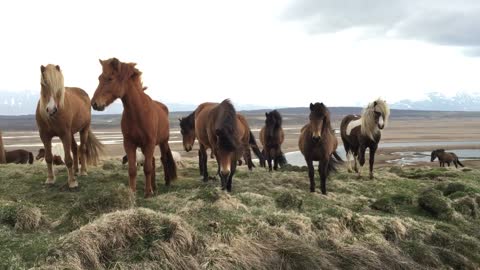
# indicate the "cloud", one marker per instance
pixel 443 22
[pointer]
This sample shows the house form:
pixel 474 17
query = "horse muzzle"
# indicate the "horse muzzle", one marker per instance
pixel 52 112
pixel 187 148
pixel 98 107
pixel 316 138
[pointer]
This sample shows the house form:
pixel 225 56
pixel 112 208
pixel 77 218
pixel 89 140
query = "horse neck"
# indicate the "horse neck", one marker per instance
pixel 134 101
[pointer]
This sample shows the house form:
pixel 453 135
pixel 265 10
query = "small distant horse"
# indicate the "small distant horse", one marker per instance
pixel 272 137
pixel 361 132
pixel 19 156
pixel 144 121
pixel 57 160
pixel 188 131
pixel 2 150
pixel 445 157
pixel 317 142
pixel 63 111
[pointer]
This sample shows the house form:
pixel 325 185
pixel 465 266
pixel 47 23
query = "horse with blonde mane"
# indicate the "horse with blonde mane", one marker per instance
pixel 63 111
pixel 362 132
pixel 144 121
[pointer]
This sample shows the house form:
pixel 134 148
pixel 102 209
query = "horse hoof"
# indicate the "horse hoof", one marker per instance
pixel 50 182
pixel 372 177
pixel 83 174
pixel 74 189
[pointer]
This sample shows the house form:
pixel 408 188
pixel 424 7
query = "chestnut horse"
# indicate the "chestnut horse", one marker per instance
pixel 2 150
pixel 188 127
pixel 445 157
pixel 272 137
pixel 57 160
pixel 63 111
pixel 317 142
pixel 144 121
pixel 19 156
pixel 362 132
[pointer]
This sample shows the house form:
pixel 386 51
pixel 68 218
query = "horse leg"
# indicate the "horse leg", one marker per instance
pixel 203 162
pixel 233 168
pixel 169 164
pixel 154 182
pixel 269 159
pixel 47 143
pixel 372 160
pixel 247 155
pixel 67 146
pixel 349 162
pixel 361 159
pixel 75 155
pixel 323 171
pixel 311 174
pixel 147 168
pixel 131 151
pixel 275 155
pixel 455 163
pixel 83 151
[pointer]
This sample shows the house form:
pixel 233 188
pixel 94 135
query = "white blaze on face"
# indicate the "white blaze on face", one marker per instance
pixel 381 122
pixel 318 131
pixel 51 104
pixel 352 125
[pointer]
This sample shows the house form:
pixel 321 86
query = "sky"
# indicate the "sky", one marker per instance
pixel 273 53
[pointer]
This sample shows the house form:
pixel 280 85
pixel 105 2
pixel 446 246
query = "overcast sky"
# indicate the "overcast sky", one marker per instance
pixel 272 52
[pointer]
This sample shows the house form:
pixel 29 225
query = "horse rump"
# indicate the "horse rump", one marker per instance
pixel 30 158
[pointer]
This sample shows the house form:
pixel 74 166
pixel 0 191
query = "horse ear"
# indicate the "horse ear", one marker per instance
pixel 311 106
pixel 266 114
pixel 101 62
pixel 374 103
pixel 57 67
pixel 42 68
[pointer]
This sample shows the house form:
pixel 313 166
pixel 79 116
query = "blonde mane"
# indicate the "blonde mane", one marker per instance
pixel 368 127
pixel 52 82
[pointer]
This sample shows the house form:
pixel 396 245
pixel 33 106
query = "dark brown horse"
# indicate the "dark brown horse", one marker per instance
pixel 57 160
pixel 362 132
pixel 144 121
pixel 64 111
pixel 2 150
pixel 272 137
pixel 19 156
pixel 188 127
pixel 445 157
pixel 317 142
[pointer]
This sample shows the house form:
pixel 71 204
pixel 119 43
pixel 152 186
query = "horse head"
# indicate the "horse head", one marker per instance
pixel 319 120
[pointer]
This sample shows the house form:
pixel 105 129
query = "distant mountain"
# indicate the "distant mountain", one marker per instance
pixel 439 102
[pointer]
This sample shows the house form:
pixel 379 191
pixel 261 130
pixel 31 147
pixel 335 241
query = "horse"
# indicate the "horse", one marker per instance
pixel 57 160
pixel 144 121
pixel 19 156
pixel 445 157
pixel 317 142
pixel 188 131
pixel 63 111
pixel 272 137
pixel 2 150
pixel 361 132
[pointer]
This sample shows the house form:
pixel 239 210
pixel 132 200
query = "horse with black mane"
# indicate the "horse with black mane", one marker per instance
pixel 272 137
pixel 317 142
pixel 361 132
pixel 445 157
pixel 188 131
pixel 63 111
pixel 19 156
pixel 144 121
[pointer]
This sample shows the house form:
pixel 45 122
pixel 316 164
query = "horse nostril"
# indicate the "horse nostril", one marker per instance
pixel 225 174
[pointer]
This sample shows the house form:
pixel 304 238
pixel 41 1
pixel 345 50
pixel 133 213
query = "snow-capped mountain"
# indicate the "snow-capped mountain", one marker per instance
pixel 439 102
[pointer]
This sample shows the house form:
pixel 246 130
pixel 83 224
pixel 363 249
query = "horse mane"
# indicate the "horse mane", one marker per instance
pixel 368 126
pixel 226 126
pixel 277 116
pixel 52 81
pixel 125 70
pixel 188 122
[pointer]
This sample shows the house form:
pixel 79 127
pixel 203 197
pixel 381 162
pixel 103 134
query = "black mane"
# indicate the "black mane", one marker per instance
pixel 188 122
pixel 226 126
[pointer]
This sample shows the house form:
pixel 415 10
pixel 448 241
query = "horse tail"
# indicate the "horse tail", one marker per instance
pixel 282 160
pixel 168 162
pixel 333 163
pixel 3 159
pixel 256 150
pixel 30 158
pixel 458 161
pixel 94 149
pixel 337 157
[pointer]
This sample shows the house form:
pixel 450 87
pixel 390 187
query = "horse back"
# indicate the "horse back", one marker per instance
pixel 243 129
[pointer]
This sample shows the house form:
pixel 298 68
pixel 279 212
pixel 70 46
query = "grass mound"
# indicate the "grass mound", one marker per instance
pixel 436 204
pixel 21 216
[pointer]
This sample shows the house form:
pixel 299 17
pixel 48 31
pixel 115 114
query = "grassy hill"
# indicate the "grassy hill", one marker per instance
pixel 418 218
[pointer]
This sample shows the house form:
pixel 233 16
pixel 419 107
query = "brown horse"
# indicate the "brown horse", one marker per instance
pixel 2 150
pixel 272 137
pixel 445 157
pixel 144 121
pixel 19 156
pixel 362 132
pixel 57 160
pixel 188 127
pixel 317 142
pixel 63 111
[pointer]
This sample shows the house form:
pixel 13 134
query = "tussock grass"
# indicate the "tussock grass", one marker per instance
pixel 407 218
